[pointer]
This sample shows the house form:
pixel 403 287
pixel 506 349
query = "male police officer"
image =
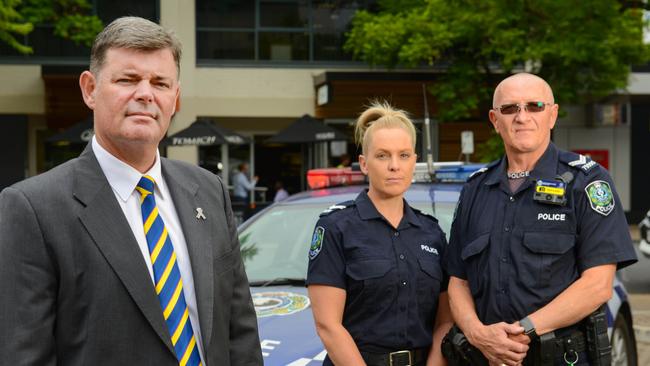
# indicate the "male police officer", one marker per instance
pixel 537 237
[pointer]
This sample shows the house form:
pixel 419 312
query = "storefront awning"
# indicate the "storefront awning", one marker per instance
pixel 79 133
pixel 205 132
pixel 308 129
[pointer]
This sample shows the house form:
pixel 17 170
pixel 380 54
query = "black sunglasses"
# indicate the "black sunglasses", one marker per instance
pixel 531 107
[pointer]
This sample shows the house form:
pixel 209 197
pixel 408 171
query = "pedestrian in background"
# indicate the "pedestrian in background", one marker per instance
pixel 376 279
pixel 537 238
pixel 345 161
pixel 280 192
pixel 242 186
pixel 121 257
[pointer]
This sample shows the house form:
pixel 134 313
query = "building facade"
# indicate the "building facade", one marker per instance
pixel 256 66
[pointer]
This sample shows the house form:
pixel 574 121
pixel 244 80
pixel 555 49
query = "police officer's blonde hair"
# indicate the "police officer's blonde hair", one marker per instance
pixel 133 33
pixel 381 115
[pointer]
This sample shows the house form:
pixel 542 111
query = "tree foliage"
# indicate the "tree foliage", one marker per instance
pixel 71 19
pixel 584 48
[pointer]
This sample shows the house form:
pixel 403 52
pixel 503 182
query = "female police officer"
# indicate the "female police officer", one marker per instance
pixel 375 276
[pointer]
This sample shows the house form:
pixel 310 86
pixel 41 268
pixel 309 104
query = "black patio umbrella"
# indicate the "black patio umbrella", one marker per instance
pixel 79 133
pixel 307 129
pixel 205 132
pixel 308 132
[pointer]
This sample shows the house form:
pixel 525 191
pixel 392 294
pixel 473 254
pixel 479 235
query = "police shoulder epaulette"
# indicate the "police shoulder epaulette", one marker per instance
pixel 336 207
pixel 484 169
pixel 577 161
pixel 428 215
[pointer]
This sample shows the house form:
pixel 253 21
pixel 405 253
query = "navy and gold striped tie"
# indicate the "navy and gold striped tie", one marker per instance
pixel 167 277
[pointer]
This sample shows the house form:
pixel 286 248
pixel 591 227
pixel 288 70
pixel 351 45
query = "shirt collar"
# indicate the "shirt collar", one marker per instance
pixel 122 177
pixel 410 215
pixel 367 210
pixel 544 168
pixel 365 206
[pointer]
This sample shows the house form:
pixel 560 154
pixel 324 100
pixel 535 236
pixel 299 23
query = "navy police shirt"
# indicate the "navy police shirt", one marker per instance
pixel 392 277
pixel 518 253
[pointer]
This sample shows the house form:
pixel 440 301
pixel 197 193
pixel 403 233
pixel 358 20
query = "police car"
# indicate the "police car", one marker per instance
pixel 275 243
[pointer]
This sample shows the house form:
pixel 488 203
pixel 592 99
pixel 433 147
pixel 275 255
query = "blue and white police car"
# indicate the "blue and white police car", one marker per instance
pixel 275 243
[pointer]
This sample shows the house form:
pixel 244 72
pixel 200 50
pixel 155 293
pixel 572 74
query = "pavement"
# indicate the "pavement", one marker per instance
pixel 641 318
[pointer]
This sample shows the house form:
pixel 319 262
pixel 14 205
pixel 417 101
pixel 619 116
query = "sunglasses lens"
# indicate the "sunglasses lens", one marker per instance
pixel 535 106
pixel 509 109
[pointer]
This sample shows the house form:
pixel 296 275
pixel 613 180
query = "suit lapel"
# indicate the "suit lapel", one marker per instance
pixel 198 237
pixel 105 221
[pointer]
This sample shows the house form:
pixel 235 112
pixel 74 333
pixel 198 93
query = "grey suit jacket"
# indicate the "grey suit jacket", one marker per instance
pixel 75 290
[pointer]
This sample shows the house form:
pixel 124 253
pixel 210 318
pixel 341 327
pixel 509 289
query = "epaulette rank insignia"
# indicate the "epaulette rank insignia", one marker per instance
pixel 583 163
pixel 483 169
pixel 336 207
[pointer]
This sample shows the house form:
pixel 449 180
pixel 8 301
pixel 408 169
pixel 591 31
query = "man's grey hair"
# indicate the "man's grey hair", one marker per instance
pixel 133 33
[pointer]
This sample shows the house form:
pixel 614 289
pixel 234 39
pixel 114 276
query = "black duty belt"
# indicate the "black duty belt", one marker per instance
pixel 398 358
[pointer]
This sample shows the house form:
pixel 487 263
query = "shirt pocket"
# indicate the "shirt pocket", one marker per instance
pixel 547 260
pixel 430 275
pixel 476 261
pixel 370 281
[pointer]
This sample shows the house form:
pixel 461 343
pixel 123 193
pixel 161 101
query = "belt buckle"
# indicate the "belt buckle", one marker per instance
pixel 399 353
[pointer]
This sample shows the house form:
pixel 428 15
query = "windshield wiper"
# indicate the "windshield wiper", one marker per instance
pixel 279 281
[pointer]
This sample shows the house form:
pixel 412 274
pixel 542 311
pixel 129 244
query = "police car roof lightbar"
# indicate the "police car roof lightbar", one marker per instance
pixel 448 171
pixel 331 177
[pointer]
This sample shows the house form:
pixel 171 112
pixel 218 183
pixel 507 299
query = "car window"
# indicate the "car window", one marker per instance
pixel 276 243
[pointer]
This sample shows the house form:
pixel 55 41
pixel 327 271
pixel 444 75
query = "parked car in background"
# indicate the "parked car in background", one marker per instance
pixel 275 243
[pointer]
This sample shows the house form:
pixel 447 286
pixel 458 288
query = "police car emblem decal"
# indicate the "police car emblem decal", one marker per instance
pixel 600 197
pixel 316 242
pixel 279 303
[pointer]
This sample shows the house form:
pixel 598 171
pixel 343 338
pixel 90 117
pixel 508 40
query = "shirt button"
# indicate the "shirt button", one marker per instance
pixel 397 233
pixel 401 256
pixel 507 229
pixel 504 259
pixel 512 199
pixel 404 283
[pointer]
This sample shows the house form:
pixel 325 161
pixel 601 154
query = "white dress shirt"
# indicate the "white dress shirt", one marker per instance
pixel 123 179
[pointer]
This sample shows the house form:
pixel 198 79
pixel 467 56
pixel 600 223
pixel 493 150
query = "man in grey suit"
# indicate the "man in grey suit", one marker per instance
pixel 120 257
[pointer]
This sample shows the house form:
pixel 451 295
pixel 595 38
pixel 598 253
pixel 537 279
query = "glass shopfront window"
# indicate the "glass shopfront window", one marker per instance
pixel 49 48
pixel 266 31
pixel 284 14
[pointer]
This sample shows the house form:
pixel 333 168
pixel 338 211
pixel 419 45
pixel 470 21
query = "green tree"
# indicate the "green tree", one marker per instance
pixel 583 48
pixel 71 19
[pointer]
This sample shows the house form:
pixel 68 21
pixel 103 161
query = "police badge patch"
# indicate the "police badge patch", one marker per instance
pixel 316 242
pixel 600 197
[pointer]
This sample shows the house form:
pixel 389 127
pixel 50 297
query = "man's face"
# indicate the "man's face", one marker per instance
pixel 133 96
pixel 524 131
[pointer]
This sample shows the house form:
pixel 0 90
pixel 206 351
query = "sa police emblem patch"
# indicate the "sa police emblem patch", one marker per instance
pixel 316 242
pixel 600 197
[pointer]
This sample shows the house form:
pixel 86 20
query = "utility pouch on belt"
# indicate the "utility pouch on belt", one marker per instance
pixel 459 352
pixel 598 347
pixel 546 349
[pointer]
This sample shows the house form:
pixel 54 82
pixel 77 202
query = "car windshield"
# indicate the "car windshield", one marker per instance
pixel 275 244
